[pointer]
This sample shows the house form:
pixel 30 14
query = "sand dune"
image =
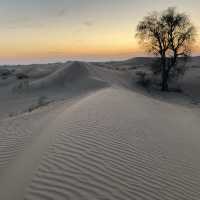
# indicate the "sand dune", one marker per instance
pixel 68 73
pixel 98 139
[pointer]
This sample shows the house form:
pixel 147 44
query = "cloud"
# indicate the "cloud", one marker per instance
pixel 88 23
pixel 83 27
pixel 61 12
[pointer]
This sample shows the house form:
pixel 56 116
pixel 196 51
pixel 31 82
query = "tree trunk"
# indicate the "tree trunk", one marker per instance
pixel 165 86
pixel 164 75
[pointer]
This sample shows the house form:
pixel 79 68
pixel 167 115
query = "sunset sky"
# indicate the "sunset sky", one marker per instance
pixel 33 31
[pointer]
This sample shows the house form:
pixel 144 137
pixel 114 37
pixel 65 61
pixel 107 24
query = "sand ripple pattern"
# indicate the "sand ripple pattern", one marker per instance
pixel 107 151
pixel 15 135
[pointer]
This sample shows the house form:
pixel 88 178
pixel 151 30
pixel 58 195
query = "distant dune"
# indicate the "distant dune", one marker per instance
pixel 87 130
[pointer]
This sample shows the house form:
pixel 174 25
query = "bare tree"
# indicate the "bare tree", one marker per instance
pixel 181 35
pixel 169 35
pixel 154 36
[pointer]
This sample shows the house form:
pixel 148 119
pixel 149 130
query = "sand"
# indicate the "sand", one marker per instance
pixel 97 135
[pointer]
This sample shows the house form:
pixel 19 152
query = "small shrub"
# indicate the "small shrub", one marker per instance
pixel 22 85
pixel 132 68
pixel 21 76
pixel 4 77
pixel 11 115
pixel 42 101
pixel 5 72
pixel 143 78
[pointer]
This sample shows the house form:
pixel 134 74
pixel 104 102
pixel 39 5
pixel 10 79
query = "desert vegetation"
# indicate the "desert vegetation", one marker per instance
pixel 168 35
pixel 41 102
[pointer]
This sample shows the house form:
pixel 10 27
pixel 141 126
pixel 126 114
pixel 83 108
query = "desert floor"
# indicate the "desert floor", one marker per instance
pixel 84 131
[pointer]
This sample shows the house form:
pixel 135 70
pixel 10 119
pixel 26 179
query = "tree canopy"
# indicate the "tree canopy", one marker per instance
pixel 168 34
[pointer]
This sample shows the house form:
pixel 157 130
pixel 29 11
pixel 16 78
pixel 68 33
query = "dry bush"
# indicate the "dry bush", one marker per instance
pixel 143 78
pixel 21 76
pixel 42 101
pixel 22 85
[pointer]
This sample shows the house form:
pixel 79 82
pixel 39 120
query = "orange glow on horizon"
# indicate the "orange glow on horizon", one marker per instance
pixel 78 52
pixel 95 49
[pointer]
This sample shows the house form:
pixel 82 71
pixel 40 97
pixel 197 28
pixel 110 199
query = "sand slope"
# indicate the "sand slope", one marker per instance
pixel 121 152
pixel 98 140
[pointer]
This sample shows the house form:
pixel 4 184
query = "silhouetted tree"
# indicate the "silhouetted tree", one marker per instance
pixel 169 35
pixel 181 35
pixel 154 36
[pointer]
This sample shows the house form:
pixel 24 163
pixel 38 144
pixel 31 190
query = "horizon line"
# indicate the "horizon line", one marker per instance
pixel 103 60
